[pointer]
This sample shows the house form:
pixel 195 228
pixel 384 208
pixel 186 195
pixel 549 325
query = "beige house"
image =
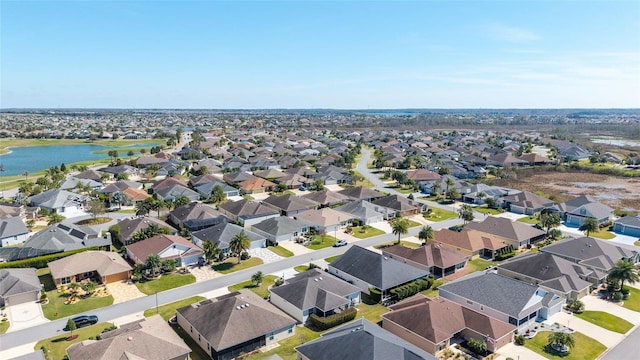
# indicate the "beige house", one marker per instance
pixel 149 338
pixel 101 266
pixel 473 242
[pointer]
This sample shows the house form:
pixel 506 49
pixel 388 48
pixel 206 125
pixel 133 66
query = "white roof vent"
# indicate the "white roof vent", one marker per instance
pixel 237 307
pixel 247 305
pixel 320 278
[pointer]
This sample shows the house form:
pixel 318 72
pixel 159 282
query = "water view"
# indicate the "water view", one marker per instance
pixel 35 158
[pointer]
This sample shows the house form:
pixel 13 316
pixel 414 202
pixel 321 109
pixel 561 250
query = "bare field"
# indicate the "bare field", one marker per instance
pixel 617 192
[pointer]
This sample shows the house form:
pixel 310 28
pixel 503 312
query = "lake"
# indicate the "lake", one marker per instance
pixel 35 158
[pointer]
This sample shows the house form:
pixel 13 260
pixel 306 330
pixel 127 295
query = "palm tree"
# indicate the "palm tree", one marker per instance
pixel 449 182
pixel 256 278
pixel 399 227
pixel 549 220
pixel 239 243
pixel 218 195
pixel 466 213
pixel 180 200
pixel 142 208
pixel 589 225
pixel 624 271
pixel 425 234
pixel 55 218
pixel 211 250
pixel 153 263
pixel 561 339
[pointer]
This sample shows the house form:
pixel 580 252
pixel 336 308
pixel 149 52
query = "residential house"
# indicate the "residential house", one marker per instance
pixel 552 273
pixel 597 255
pixel 474 243
pixel 367 213
pixel 361 193
pixel 432 324
pixel 535 159
pixel 148 338
pixel 314 292
pixel 13 231
pixel 479 193
pixel 573 153
pixel 167 182
pixel 327 198
pixel 438 260
pixel 121 186
pixel 63 202
pixel 102 266
pixel 281 228
pixel 132 196
pixel 121 170
pixel 325 220
pixel 289 205
pixel 205 189
pixel 628 225
pixel 169 193
pixel 400 205
pixel 294 181
pixel 526 203
pixel 194 210
pixel 62 237
pixel 168 247
pixel 422 175
pixel 575 211
pixel 11 210
pixel 73 183
pixel 18 286
pixel 237 177
pixel 223 233
pixel 128 227
pixel 256 185
pixel 234 324
pixel 247 212
pixel 368 269
pixel 360 340
pixel 501 297
pixel 90 174
pixel 518 233
pixel 270 174
pixel 505 159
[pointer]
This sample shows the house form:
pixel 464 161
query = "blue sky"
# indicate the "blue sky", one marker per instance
pixel 317 54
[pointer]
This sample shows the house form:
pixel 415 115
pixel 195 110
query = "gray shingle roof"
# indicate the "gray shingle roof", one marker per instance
pixel 498 292
pixel 590 252
pixel 223 233
pixel 61 237
pixel 361 340
pixel 12 226
pixel 18 281
pixel 504 227
pixel 281 225
pixel 629 221
pixel 376 269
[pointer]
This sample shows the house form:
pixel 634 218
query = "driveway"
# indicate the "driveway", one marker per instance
pixel 22 316
pixel 265 254
pixel 514 351
pixel 606 337
pixel 123 291
pixel 596 304
pixel 203 273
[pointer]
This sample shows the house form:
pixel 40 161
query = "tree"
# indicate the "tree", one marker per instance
pixel 150 231
pixel 71 325
pixel 282 187
pixel 589 225
pixel 89 287
pixel 426 233
pixel 466 213
pixel 549 220
pixel 561 339
pixel 449 182
pixel 156 205
pixel 211 251
pixel 153 263
pixel 319 184
pixel 143 208
pixel 96 207
pixel 218 195
pixel 54 218
pixel 239 243
pixel 399 227
pixel 180 200
pixel 118 198
pixel 256 278
pixel 624 271
pixel 575 305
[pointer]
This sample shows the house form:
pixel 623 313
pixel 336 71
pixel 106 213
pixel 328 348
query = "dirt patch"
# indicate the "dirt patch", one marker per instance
pixel 617 192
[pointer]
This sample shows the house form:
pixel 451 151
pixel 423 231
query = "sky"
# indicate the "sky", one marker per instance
pixel 319 54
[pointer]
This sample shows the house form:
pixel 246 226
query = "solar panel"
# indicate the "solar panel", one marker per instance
pixel 77 233
pixel 64 227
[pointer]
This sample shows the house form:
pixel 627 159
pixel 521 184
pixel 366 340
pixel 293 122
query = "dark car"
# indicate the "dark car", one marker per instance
pixel 339 243
pixel 85 320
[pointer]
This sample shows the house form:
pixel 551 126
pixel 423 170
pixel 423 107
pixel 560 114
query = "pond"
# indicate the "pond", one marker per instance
pixel 35 158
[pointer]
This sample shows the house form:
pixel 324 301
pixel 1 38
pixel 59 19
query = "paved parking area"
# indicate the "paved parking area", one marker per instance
pixel 514 351
pixel 25 315
pixel 123 291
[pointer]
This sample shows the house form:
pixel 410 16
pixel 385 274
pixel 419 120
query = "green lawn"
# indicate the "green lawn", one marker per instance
pixel 637 243
pixel 369 232
pixel 372 313
pixel 441 214
pixel 4 326
pixel 248 197
pixel 55 348
pixel 433 290
pixel 165 282
pixel 586 348
pixel 262 290
pixel 409 244
pixel 478 264
pixel 56 305
pixel 301 268
pixel 404 190
pixel 168 310
pixel 330 259
pixel 279 250
pixel 433 198
pixel 319 243
pixel 486 210
pixel 528 220
pixel 365 182
pixel 633 302
pixel 231 265
pixel 603 233
pixel 286 348
pixel 606 320
pixel 413 223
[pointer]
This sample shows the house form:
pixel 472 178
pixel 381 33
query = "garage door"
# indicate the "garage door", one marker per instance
pixel 21 298
pixel 257 244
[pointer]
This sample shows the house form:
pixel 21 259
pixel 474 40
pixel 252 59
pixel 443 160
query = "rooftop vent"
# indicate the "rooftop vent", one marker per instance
pixel 130 338
pixel 237 307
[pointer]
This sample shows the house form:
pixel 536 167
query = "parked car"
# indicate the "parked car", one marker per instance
pixel 302 188
pixel 85 320
pixel 339 243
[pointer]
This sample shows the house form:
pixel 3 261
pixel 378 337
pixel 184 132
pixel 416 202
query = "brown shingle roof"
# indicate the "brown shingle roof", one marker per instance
pixel 104 262
pixel 470 240
pixel 428 255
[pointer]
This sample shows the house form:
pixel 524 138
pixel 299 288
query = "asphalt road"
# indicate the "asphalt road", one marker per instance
pixel 112 312
pixel 628 349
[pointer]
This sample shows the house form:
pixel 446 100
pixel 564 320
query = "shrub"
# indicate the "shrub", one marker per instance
pixel 617 296
pixel 324 323
pixel 313 266
pixel 40 262
pixel 375 295
pixel 410 289
pixel 504 256
pixel 244 256
pixel 519 339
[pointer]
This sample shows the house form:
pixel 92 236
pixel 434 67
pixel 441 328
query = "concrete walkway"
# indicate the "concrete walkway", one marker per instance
pixel 22 316
pixel 266 255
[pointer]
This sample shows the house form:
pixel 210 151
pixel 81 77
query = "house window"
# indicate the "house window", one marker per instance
pixel 199 337
pixel 513 321
pixel 191 328
pixel 469 302
pixel 270 336
pixel 65 280
pixel 290 329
